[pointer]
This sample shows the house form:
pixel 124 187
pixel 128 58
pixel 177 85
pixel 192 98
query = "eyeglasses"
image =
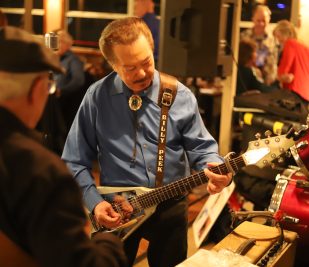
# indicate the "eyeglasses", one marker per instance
pixel 51 84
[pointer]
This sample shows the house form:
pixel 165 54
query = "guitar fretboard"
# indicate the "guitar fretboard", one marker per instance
pixel 182 186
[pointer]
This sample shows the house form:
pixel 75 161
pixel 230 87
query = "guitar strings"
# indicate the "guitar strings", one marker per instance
pixel 186 182
pixel 179 187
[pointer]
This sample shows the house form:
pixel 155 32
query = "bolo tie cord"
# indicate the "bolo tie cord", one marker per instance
pixel 135 103
pixel 133 159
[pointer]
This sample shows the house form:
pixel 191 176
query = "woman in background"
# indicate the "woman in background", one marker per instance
pixel 293 70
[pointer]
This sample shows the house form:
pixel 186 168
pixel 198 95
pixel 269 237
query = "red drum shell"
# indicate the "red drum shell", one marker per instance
pixel 293 202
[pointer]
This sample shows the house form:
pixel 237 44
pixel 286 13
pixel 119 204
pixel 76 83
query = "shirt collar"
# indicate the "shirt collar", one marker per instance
pixel 151 93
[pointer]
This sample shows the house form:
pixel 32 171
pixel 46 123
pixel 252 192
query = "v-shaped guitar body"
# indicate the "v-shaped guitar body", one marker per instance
pixel 137 218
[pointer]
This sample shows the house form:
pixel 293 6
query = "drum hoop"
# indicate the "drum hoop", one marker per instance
pixel 298 160
pixel 277 195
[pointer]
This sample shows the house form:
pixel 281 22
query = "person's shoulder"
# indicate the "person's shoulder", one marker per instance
pixel 292 45
pixel 102 85
pixel 246 33
pixel 151 20
pixel 293 42
pixel 298 47
pixel 184 95
pixel 37 160
pixel 150 16
pixel 244 70
pixel 74 57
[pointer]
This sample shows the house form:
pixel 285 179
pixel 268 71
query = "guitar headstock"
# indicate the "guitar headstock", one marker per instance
pixel 262 152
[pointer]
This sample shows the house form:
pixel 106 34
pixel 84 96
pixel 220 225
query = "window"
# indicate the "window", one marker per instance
pixel 86 31
pixel 279 9
pixel 87 18
pixel 111 6
pixel 14 10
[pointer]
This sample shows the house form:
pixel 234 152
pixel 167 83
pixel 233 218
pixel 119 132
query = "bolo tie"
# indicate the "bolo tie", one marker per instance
pixel 135 103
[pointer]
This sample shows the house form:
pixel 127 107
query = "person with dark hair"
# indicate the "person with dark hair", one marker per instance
pixel 293 69
pixel 118 124
pixel 249 78
pixel 267 51
pixel 42 217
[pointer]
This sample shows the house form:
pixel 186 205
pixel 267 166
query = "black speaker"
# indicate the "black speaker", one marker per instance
pixel 195 37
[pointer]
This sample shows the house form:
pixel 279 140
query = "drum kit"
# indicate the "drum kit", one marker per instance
pixel 290 198
pixel 289 203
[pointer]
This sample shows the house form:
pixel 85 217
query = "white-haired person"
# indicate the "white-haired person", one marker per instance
pixel 70 84
pixel 42 217
pixel 267 50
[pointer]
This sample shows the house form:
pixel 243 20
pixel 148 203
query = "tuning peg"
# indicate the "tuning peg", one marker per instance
pixel 280 160
pixel 268 133
pixel 258 136
pixel 290 133
pixel 288 154
pixel 278 132
pixel 300 133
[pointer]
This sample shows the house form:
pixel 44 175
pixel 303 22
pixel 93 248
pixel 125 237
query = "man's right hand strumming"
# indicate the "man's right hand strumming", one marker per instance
pixel 108 217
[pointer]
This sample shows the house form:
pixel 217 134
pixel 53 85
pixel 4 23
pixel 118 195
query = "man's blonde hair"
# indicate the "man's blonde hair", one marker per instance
pixel 14 85
pixel 123 32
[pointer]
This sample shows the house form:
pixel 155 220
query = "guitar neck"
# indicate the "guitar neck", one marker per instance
pixel 184 185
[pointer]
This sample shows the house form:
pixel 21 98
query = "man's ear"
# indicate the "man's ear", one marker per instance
pixel 114 67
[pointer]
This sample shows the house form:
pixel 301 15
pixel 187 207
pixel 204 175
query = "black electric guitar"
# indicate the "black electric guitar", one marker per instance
pixel 144 200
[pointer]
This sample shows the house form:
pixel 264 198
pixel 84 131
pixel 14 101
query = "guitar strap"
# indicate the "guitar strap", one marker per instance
pixel 167 94
pixel 12 255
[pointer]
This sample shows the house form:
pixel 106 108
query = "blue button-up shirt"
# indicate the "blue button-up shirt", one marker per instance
pixel 105 129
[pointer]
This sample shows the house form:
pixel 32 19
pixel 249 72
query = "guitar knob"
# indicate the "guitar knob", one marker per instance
pixel 258 136
pixel 290 133
pixel 268 133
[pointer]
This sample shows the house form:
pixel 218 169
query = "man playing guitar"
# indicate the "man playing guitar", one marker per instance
pixel 118 124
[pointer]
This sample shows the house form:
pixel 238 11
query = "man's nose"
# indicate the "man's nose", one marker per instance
pixel 141 72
